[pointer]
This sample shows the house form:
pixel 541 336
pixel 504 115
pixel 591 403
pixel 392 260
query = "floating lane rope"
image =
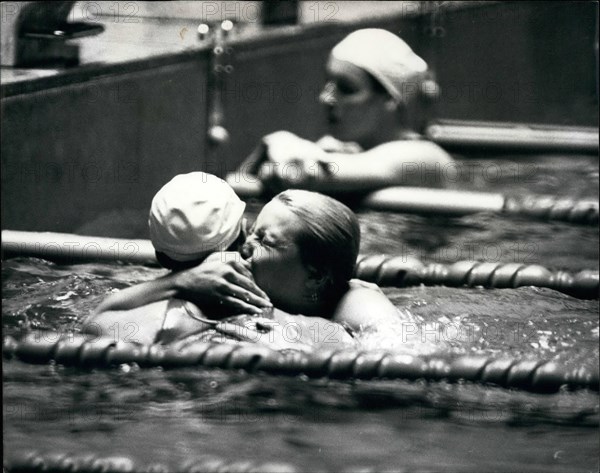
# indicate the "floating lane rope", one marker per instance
pixel 550 208
pixel 31 462
pixel 82 351
pixel 457 203
pixel 513 136
pixel 70 248
pixel 391 271
pixel 401 271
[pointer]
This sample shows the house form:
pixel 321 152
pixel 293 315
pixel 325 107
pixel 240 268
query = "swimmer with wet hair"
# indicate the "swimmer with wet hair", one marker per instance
pixel 301 251
pixel 376 100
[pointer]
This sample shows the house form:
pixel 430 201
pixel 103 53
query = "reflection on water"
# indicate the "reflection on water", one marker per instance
pixel 153 415
pixel 170 415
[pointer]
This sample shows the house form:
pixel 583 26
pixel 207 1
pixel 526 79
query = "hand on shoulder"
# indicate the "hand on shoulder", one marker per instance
pixel 223 279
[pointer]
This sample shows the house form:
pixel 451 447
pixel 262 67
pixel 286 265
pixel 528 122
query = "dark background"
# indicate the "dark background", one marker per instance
pixel 85 150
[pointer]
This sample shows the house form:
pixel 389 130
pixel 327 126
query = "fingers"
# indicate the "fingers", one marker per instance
pixel 250 292
pixel 240 306
pixel 247 288
pixel 242 267
pixel 232 284
pixel 237 279
pixel 248 297
pixel 294 173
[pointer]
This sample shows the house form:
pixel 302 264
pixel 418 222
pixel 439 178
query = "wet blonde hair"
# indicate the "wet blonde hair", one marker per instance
pixel 328 242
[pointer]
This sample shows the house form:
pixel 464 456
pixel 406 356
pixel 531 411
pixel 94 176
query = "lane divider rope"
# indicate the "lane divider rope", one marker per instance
pixel 404 271
pixel 385 270
pixel 32 462
pixel 455 203
pixel 84 352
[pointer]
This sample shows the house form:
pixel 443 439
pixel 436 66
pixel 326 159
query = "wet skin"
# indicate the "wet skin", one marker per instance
pixel 352 105
pixel 274 257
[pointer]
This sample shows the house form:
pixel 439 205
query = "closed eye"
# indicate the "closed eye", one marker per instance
pixel 265 240
pixel 260 237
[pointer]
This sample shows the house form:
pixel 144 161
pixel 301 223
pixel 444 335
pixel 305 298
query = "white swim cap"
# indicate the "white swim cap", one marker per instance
pixel 386 57
pixel 194 214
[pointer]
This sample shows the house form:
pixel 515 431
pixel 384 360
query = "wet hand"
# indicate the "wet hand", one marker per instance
pixel 295 173
pixel 290 161
pixel 223 280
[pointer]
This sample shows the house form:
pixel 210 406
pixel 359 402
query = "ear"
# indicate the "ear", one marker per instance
pixel 316 281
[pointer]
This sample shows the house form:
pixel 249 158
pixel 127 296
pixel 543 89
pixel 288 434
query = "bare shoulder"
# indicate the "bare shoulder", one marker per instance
pixel 414 162
pixel 136 325
pixel 364 307
pixel 411 149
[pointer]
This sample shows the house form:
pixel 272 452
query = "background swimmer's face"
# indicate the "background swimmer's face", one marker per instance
pixel 274 255
pixel 354 107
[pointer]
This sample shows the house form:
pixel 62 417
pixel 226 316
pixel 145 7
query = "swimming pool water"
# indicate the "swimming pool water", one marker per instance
pixel 168 416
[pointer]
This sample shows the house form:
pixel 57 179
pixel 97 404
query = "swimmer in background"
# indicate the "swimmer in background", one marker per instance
pixel 301 251
pixel 375 98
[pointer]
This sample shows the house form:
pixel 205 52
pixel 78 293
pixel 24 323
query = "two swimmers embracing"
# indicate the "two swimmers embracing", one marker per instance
pixel 295 264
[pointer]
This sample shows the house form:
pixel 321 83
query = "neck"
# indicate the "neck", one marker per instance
pixel 388 130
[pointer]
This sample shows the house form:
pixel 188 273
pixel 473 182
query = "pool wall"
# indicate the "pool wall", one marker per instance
pixel 86 148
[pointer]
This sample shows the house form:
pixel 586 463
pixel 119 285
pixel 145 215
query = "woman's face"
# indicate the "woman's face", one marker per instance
pixel 275 257
pixel 353 108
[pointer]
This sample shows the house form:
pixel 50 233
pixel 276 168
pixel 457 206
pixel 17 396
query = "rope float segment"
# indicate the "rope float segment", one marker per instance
pixel 77 350
pixel 70 248
pixel 402 271
pixel 550 208
pixel 513 136
pixel 30 462
pixel 391 271
pixel 433 201
pixel 456 203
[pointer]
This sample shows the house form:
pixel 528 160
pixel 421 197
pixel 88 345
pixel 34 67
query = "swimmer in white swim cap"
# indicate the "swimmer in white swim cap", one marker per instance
pixel 192 216
pixel 375 100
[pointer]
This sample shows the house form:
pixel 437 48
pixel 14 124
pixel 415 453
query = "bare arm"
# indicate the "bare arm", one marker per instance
pixel 289 161
pixel 139 295
pixel 140 324
pixel 229 284
pixel 415 163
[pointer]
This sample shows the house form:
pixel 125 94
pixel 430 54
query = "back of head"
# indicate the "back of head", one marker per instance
pixel 329 241
pixel 192 216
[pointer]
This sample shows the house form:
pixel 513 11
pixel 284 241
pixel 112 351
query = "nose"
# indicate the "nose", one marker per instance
pixel 327 95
